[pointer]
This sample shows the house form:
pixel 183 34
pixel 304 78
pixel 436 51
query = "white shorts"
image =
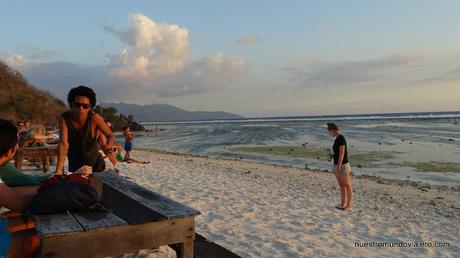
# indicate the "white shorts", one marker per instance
pixel 346 168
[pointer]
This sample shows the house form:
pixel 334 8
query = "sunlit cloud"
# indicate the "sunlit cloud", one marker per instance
pixel 154 49
pixel 155 62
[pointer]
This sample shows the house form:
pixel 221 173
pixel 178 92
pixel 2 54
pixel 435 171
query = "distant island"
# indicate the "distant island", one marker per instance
pixel 167 113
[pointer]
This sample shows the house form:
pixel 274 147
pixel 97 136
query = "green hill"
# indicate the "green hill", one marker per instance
pixel 19 100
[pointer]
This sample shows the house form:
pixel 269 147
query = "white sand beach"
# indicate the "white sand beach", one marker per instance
pixel 259 210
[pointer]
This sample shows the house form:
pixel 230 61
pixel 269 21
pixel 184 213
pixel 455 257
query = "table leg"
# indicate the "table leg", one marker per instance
pixel 46 164
pixel 18 161
pixel 186 249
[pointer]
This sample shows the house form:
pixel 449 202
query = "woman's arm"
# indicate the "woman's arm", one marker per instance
pixel 63 145
pixel 16 198
pixel 341 156
pixel 42 137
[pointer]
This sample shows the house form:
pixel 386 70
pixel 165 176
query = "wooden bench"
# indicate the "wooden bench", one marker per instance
pixel 138 219
pixel 42 153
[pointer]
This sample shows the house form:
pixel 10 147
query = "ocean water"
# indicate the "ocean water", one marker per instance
pixel 422 147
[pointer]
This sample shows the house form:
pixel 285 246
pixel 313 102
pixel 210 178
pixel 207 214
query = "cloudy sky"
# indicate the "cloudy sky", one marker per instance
pixel 254 58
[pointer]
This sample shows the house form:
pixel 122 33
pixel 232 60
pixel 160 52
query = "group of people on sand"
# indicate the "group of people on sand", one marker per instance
pixel 34 135
pixel 85 140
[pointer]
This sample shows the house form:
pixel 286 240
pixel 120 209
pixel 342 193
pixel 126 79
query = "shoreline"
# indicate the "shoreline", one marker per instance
pixel 374 178
pixel 260 210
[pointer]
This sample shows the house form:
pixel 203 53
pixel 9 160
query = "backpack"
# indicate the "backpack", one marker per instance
pixel 64 193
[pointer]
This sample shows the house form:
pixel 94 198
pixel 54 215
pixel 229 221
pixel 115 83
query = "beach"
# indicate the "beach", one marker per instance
pixel 262 210
pixel 422 149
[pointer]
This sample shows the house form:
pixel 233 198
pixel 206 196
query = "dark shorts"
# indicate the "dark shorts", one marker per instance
pixel 128 146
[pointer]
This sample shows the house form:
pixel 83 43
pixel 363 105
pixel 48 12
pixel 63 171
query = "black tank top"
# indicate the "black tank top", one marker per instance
pixel 83 147
pixel 340 141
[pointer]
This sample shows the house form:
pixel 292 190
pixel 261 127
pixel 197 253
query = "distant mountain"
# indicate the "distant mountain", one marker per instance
pixel 165 113
pixel 20 100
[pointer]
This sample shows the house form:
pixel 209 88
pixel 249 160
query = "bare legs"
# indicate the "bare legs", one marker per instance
pixel 343 195
pixel 349 192
pixel 346 191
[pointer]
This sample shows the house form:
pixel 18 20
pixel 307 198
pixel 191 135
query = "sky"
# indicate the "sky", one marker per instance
pixel 254 58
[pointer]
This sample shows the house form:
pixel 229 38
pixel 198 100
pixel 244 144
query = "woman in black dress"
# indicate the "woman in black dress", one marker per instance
pixel 341 167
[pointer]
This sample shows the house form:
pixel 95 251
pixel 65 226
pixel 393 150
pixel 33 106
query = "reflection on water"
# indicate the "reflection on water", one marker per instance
pixel 417 146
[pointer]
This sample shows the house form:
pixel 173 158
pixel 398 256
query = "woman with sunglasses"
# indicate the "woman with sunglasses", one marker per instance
pixel 78 130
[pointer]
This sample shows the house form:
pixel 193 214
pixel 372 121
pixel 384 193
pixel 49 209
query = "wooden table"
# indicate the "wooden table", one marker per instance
pixel 138 219
pixel 35 152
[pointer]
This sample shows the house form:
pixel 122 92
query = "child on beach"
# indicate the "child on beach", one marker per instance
pixel 129 136
pixel 341 167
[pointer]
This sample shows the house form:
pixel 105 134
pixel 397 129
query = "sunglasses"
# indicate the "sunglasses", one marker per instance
pixel 81 105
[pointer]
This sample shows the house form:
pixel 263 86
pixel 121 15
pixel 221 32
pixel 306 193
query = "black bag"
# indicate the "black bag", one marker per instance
pixel 64 196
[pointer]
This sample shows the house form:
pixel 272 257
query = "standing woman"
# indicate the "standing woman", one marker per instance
pixel 341 167
pixel 78 130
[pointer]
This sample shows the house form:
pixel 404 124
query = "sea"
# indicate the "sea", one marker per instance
pixel 420 147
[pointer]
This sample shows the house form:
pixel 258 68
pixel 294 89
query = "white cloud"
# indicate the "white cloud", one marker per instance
pixel 248 40
pixel 34 55
pixel 154 49
pixel 17 61
pixel 211 72
pixel 155 62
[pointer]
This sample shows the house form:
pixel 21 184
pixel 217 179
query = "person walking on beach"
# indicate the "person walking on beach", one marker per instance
pixel 341 167
pixel 129 136
pixel 78 131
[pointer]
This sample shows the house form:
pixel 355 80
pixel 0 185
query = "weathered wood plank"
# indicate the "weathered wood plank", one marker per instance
pixel 56 224
pixel 121 239
pixel 132 211
pixel 158 203
pixel 91 220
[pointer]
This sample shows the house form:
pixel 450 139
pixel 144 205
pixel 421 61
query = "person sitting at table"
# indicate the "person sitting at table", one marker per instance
pixel 78 129
pixel 35 135
pixel 23 242
pixel 26 124
pixel 20 126
pixel 19 234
